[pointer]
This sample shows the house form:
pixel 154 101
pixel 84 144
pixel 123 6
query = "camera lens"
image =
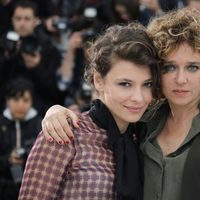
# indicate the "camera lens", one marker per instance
pixel 21 152
pixel 30 45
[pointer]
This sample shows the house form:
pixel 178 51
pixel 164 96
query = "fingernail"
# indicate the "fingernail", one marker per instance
pixel 50 139
pixel 67 142
pixel 71 137
pixel 60 142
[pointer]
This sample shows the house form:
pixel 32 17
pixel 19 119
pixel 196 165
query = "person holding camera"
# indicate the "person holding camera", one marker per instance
pixel 19 126
pixel 72 68
pixel 34 57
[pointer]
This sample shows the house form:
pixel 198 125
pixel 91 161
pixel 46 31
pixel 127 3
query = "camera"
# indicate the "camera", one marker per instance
pixel 89 35
pixel 17 169
pixel 21 152
pixel 85 93
pixel 30 44
pixel 64 24
pixel 90 13
pixel 9 42
pixel 61 24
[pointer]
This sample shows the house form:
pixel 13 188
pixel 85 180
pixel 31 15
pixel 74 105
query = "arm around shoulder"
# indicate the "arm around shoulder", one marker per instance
pixel 55 125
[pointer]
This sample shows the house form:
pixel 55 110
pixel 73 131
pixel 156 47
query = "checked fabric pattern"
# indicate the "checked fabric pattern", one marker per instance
pixel 83 170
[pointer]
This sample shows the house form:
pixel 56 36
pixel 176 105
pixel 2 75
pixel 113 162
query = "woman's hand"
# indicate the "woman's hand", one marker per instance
pixel 55 124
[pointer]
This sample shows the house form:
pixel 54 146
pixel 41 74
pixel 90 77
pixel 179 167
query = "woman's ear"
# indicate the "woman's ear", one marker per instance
pixel 98 81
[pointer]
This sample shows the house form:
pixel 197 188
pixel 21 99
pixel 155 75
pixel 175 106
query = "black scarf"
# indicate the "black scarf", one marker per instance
pixel 126 153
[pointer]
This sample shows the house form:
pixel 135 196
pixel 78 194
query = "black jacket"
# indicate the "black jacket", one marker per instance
pixel 43 76
pixel 29 129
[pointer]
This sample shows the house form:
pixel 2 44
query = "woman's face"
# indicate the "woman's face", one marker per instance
pixel 181 77
pixel 126 90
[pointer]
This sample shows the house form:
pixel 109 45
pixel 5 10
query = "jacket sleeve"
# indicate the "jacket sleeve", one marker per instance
pixel 45 170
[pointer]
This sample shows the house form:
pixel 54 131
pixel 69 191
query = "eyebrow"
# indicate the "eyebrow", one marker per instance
pixel 190 62
pixel 132 81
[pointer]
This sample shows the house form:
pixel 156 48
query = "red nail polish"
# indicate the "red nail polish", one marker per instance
pixel 60 142
pixel 67 142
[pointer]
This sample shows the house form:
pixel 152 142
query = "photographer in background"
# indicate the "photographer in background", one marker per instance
pixel 69 10
pixel 72 68
pixel 60 9
pixel 67 15
pixel 34 57
pixel 19 126
pixel 81 101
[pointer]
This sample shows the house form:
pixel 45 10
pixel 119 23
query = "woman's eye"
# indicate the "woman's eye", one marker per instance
pixel 193 68
pixel 125 84
pixel 168 68
pixel 148 84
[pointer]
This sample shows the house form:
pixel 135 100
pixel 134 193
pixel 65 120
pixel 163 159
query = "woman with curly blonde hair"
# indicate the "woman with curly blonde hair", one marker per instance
pixel 171 146
pixel 172 134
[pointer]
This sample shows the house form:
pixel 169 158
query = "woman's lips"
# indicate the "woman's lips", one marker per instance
pixel 134 109
pixel 180 92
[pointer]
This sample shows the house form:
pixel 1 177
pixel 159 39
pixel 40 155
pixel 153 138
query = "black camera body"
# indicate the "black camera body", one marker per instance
pixel 12 43
pixel 64 24
pixel 17 169
pixel 9 42
pixel 30 44
pixel 85 93
pixel 89 35
pixel 61 24
pixel 21 152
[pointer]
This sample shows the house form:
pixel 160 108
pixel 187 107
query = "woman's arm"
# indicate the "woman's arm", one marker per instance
pixel 55 124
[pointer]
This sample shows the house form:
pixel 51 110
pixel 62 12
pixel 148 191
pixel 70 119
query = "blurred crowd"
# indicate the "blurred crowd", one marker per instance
pixel 42 63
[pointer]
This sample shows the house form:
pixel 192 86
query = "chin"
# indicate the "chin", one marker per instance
pixel 134 119
pixel 179 103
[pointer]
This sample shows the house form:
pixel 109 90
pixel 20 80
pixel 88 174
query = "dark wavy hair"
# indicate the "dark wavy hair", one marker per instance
pixel 127 42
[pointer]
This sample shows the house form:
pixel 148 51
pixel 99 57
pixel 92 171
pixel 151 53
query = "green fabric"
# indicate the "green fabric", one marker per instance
pixel 164 175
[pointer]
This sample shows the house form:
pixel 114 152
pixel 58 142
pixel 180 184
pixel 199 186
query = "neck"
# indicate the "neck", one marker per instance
pixel 122 125
pixel 122 128
pixel 180 113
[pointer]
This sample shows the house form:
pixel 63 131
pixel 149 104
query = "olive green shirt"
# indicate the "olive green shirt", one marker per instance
pixel 163 174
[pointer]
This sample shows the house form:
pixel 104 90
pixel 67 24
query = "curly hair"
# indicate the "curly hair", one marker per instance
pixel 174 28
pixel 128 42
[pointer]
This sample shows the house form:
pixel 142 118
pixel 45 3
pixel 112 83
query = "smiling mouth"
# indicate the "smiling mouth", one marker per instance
pixel 134 109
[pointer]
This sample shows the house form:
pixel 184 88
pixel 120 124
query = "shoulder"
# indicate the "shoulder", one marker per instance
pixel 155 111
pixel 47 162
pixel 87 128
pixel 50 151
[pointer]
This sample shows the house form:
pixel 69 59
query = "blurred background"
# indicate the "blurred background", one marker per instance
pixel 42 63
